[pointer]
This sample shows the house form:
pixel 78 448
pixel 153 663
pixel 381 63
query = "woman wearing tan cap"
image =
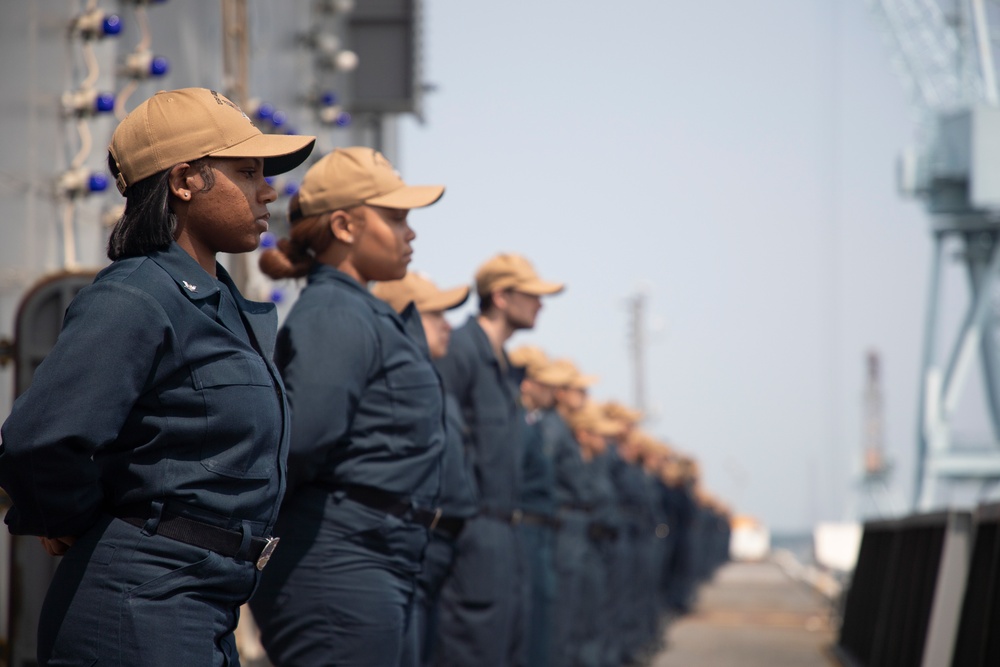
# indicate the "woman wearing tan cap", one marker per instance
pixel 150 449
pixel 367 423
pixel 457 499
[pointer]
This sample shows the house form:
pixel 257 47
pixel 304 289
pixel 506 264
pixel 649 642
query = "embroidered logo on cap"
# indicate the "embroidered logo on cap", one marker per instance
pixel 219 99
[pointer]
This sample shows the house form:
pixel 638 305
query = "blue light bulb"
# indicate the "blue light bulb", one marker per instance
pixel 268 240
pixel 279 118
pixel 343 119
pixel 290 188
pixel 104 102
pixel 329 99
pixel 159 66
pixel 111 25
pixel 277 295
pixel 265 111
pixel 97 182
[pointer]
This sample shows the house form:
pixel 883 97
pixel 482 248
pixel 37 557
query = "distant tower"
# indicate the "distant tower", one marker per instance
pixel 874 450
pixel 874 481
pixel 637 348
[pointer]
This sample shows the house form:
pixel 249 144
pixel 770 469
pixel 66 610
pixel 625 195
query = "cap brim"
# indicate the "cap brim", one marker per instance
pixel 607 428
pixel 552 378
pixel 584 381
pixel 409 196
pixel 444 300
pixel 280 152
pixel 539 288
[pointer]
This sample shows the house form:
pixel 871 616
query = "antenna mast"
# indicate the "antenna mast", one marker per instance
pixel 637 344
pixel 875 466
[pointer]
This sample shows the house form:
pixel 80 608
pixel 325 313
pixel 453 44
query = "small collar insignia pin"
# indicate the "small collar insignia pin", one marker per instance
pixel 189 286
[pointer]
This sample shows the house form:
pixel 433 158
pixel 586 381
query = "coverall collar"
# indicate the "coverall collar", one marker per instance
pixel 324 273
pixel 193 280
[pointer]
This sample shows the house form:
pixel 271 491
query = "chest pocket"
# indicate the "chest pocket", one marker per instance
pixel 414 391
pixel 243 416
pixel 417 402
pixel 411 376
pixel 234 370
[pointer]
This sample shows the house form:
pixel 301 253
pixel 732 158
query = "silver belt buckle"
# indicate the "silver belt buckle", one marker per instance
pixel 437 517
pixel 516 516
pixel 265 555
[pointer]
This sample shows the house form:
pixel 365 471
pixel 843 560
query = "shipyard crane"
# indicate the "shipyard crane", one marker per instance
pixel 945 55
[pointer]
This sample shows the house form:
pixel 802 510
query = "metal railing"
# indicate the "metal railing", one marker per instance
pixel 906 592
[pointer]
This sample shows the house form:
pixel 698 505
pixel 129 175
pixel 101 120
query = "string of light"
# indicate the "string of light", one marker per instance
pixel 80 106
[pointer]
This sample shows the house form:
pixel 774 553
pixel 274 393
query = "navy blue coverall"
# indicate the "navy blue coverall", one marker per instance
pixel 574 500
pixel 598 647
pixel 633 584
pixel 367 424
pixel 159 399
pixel 457 502
pixel 537 540
pixel 680 568
pixel 480 609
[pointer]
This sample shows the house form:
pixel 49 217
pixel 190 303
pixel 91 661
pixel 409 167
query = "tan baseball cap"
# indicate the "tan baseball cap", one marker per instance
pixel 591 418
pixel 175 126
pixel 538 367
pixel 512 271
pixel 419 289
pixel 551 374
pixel 527 356
pixel 577 380
pixel 348 177
pixel 620 412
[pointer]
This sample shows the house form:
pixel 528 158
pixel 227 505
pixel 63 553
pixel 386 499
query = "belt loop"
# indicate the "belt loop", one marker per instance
pixel 153 522
pixel 244 551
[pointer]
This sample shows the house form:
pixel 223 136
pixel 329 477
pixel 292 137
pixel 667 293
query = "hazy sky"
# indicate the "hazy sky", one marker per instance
pixel 736 160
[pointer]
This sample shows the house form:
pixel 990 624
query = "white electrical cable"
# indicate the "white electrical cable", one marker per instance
pixel 122 97
pixel 69 235
pixel 86 144
pixel 143 19
pixel 93 67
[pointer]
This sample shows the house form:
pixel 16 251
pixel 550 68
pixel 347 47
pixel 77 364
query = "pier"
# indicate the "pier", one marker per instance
pixel 753 614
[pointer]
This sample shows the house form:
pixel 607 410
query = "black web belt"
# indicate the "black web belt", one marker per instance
pixel 206 536
pixel 390 503
pixel 601 532
pixel 518 516
pixel 532 519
